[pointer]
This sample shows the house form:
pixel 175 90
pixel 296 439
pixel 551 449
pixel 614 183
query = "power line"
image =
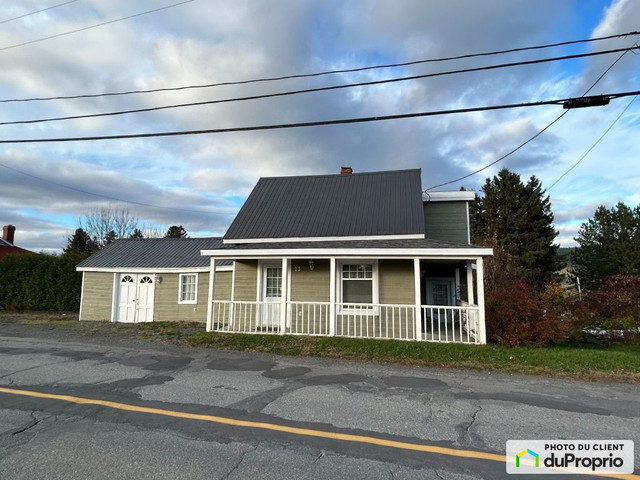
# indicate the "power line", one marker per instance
pixel 93 26
pixel 305 124
pixel 319 89
pixel 595 143
pixel 328 72
pixel 37 11
pixel 511 152
pixel 109 197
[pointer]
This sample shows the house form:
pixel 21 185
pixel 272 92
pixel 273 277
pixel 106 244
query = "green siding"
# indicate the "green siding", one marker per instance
pixel 246 281
pixel 310 285
pixel 166 306
pixel 446 221
pixel 97 296
pixel 396 282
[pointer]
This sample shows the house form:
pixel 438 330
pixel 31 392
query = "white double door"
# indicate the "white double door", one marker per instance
pixel 135 298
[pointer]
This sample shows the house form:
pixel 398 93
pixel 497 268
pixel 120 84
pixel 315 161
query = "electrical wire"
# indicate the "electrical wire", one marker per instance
pixel 37 11
pixel 30 42
pixel 109 197
pixel 318 89
pixel 306 124
pixel 595 143
pixel 318 74
pixel 537 134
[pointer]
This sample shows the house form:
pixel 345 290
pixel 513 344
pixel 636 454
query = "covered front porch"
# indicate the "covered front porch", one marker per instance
pixel 432 299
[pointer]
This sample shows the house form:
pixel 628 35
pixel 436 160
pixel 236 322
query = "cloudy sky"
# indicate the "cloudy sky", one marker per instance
pixel 200 181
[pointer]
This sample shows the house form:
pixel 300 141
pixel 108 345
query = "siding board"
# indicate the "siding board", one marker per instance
pixel 97 296
pixel 446 221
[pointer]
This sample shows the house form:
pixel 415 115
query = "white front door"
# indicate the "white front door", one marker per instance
pixel 144 303
pixel 127 299
pixel 135 298
pixel 271 294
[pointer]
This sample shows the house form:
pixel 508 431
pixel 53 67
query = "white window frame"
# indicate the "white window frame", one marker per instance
pixel 180 292
pixel 375 297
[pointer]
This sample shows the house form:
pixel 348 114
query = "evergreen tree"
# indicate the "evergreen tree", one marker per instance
pixel 609 244
pixel 110 238
pixel 81 242
pixel 176 231
pixel 137 233
pixel 518 218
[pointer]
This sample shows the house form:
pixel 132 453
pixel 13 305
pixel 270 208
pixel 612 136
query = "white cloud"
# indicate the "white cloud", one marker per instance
pixel 220 41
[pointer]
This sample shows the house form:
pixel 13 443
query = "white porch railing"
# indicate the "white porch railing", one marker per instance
pixel 382 321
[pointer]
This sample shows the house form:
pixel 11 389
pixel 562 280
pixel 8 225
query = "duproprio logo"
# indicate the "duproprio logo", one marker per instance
pixel 529 452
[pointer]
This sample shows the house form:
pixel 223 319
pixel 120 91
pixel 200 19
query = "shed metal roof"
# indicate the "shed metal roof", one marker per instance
pixel 355 205
pixel 153 253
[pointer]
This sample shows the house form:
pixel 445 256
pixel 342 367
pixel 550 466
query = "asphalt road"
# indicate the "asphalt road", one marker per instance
pixel 157 412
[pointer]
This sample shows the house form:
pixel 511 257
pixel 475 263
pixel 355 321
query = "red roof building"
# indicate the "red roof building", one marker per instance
pixel 6 242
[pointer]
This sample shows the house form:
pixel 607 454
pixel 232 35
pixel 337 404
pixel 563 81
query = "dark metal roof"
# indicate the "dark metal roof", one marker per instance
pixel 422 243
pixel 361 204
pixel 153 253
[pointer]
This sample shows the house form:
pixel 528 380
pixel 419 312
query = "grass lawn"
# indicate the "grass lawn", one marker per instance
pixel 612 363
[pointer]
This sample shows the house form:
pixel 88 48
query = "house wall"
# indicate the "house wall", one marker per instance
pixel 446 221
pixel 97 296
pixel 166 306
pixel 395 277
pixel 396 281
pixel 310 285
pixel 246 284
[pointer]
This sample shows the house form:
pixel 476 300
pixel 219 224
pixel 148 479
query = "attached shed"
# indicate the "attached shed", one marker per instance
pixel 144 280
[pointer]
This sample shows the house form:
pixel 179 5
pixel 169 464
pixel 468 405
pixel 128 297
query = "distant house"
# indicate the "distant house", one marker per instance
pixel 357 255
pixel 7 246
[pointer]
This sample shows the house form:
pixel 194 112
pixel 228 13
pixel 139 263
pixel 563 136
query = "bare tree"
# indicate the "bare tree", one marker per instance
pixel 152 231
pixel 105 224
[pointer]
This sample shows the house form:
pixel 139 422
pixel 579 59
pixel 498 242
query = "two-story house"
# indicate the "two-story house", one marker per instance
pixel 355 254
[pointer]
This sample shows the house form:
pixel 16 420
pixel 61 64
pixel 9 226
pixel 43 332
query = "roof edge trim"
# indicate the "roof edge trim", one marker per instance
pixel 352 252
pixel 408 236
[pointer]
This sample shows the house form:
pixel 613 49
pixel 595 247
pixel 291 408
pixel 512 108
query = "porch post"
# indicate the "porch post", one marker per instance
pixel 482 329
pixel 212 291
pixel 470 294
pixel 332 297
pixel 284 292
pixel 418 307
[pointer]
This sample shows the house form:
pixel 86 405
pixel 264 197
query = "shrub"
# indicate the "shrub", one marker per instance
pixel 611 313
pixel 40 282
pixel 516 315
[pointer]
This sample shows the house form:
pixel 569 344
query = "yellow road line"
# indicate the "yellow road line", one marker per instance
pixel 280 428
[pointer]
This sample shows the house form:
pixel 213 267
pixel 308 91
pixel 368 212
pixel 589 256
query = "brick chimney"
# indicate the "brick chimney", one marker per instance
pixel 346 171
pixel 7 233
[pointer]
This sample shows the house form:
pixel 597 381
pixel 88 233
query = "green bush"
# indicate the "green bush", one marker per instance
pixel 40 282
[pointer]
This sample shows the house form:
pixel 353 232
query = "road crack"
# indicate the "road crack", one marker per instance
pixel 35 421
pixel 474 417
pixel 237 464
pixel 466 435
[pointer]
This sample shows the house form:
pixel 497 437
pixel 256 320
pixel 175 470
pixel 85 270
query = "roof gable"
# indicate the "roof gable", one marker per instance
pixel 328 206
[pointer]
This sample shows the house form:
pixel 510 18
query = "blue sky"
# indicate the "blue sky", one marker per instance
pixel 201 181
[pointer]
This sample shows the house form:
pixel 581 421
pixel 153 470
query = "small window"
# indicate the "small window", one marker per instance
pixel 357 283
pixel 127 279
pixel 188 288
pixel 146 280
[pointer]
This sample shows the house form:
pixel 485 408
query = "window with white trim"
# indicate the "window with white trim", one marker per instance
pixel 188 285
pixel 357 283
